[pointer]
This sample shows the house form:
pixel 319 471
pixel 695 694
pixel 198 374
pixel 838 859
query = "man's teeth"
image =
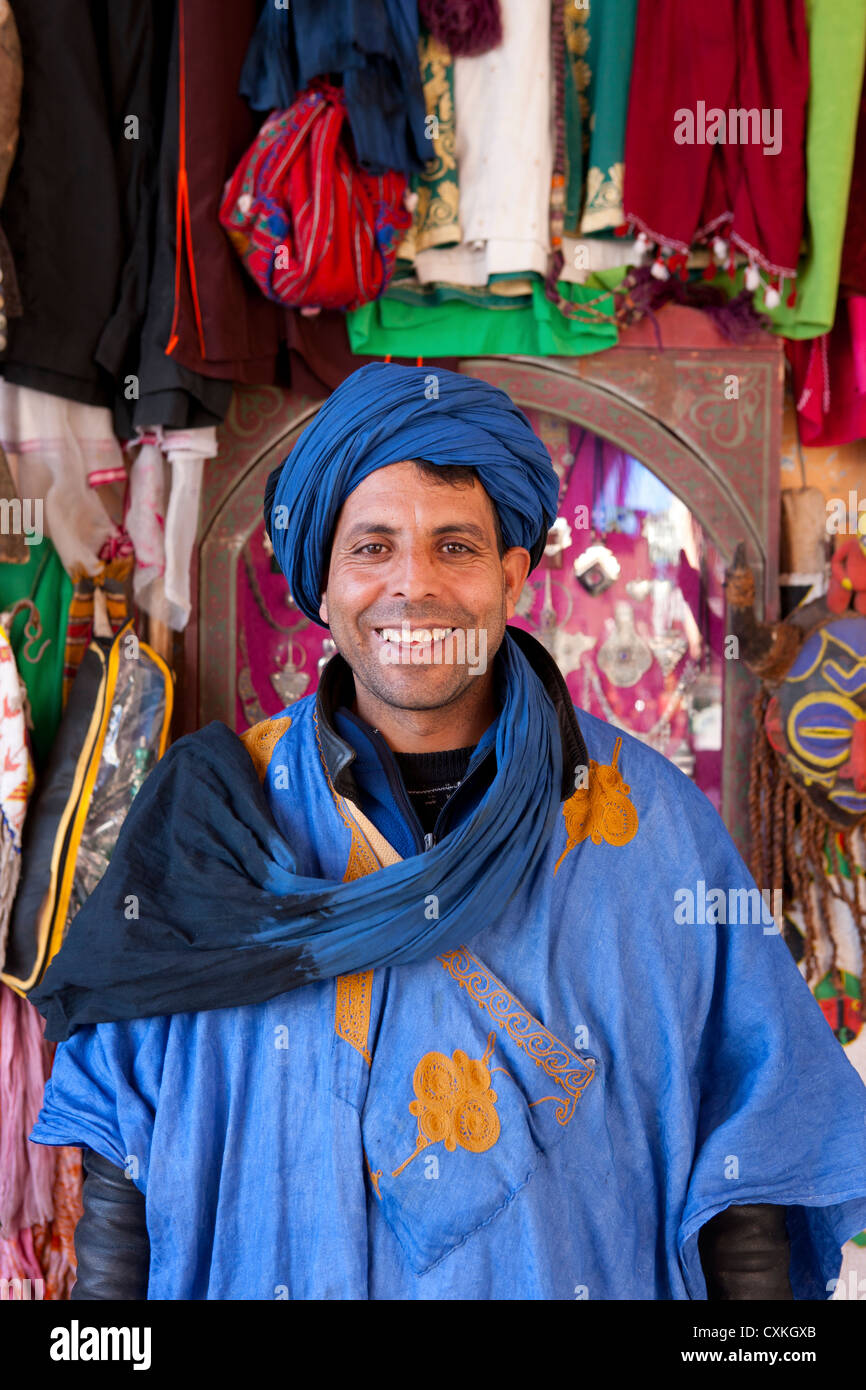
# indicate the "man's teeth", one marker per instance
pixel 421 634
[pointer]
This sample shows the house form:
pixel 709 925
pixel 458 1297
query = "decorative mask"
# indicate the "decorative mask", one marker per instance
pixel 808 772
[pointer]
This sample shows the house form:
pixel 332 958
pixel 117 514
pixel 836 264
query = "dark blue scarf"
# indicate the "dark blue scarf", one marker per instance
pixel 225 919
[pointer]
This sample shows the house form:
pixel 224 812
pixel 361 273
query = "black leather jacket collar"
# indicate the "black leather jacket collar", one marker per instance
pixel 337 687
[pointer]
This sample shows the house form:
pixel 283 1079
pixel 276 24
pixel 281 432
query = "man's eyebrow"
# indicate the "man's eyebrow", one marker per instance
pixel 379 528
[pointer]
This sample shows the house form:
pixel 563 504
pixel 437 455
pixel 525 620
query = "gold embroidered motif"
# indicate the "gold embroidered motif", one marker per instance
pixel 564 1067
pixel 604 194
pixel 354 992
pixel 374 1177
pixel 601 810
pixel 261 739
pixel 454 1103
pixel 352 1012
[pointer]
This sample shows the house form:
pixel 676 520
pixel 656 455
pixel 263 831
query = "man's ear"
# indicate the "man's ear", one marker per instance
pixel 323 609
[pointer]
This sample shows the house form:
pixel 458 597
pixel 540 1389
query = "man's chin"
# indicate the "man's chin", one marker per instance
pixel 415 686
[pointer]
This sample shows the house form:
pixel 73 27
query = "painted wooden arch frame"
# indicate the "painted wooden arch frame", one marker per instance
pixel 707 422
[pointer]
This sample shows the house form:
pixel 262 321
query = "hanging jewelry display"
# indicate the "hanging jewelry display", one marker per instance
pixel 253 712
pixel 596 568
pixel 659 735
pixel 663 539
pixel 291 682
pixel 329 646
pixel 302 620
pixel 669 649
pixel 639 589
pixel 624 656
pixel 571 647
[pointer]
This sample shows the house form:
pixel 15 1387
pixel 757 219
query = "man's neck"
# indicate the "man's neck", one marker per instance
pixel 458 725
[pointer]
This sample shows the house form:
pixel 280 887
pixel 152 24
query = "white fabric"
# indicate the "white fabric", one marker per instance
pixel 164 538
pixel 145 519
pixel 503 115
pixel 52 444
pixel 583 255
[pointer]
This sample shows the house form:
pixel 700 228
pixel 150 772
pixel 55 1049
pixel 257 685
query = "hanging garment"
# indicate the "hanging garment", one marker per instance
pixel 110 584
pixel 309 227
pixel 467 27
pixel 436 190
pixel 10 108
pixel 370 48
pixel 571 1058
pixel 830 378
pixel 320 354
pixel 169 390
pixel 599 44
pixel 715 129
pixel 77 203
pixel 440 320
pixel 837 52
pixel 55 1244
pixel 504 159
pixel 852 276
pixel 26 1175
pixel 16 782
pixel 164 536
pixel 54 445
pixel 38 639
pixel 215 322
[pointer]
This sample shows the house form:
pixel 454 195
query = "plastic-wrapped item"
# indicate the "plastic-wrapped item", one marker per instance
pixel 114 729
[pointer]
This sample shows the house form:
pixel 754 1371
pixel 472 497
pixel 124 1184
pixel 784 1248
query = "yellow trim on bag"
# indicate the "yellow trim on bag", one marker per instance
pixel 52 916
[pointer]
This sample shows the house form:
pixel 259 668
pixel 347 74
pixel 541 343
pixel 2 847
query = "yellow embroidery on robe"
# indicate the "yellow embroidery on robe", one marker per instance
pixel 600 810
pixel 352 1012
pixel 261 740
pixel 454 1103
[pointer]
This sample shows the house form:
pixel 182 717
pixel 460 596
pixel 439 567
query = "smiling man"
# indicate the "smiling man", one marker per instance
pixel 387 999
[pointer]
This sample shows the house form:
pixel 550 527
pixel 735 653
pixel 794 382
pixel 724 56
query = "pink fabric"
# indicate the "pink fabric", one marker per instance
pixel 26 1170
pixel 830 378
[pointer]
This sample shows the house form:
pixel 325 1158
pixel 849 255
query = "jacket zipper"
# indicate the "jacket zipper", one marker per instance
pixel 424 840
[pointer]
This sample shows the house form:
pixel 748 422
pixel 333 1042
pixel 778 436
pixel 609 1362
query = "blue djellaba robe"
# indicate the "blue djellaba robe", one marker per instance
pixel 551 1111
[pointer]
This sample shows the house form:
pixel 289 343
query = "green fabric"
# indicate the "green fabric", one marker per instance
pixel 434 322
pixel 837 51
pixel 44 580
pixel 599 49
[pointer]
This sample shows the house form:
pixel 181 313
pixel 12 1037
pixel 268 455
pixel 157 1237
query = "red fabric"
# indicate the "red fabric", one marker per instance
pixel 309 225
pixel 728 55
pixel 852 276
pixel 830 378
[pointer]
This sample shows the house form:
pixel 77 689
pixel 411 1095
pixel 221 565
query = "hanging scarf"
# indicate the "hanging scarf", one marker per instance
pixel 691 172
pixel 223 917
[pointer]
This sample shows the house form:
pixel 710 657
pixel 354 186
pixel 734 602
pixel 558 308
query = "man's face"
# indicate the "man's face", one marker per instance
pixel 410 550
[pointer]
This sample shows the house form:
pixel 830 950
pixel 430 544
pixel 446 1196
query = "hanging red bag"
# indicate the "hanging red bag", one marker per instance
pixel 311 227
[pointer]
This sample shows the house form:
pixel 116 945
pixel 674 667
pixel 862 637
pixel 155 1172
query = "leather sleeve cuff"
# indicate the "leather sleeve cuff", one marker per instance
pixel 745 1253
pixel 111 1241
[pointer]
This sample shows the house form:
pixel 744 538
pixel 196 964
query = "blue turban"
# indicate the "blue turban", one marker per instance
pixel 382 414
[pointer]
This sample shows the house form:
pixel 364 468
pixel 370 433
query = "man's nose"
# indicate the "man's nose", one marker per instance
pixel 413 573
